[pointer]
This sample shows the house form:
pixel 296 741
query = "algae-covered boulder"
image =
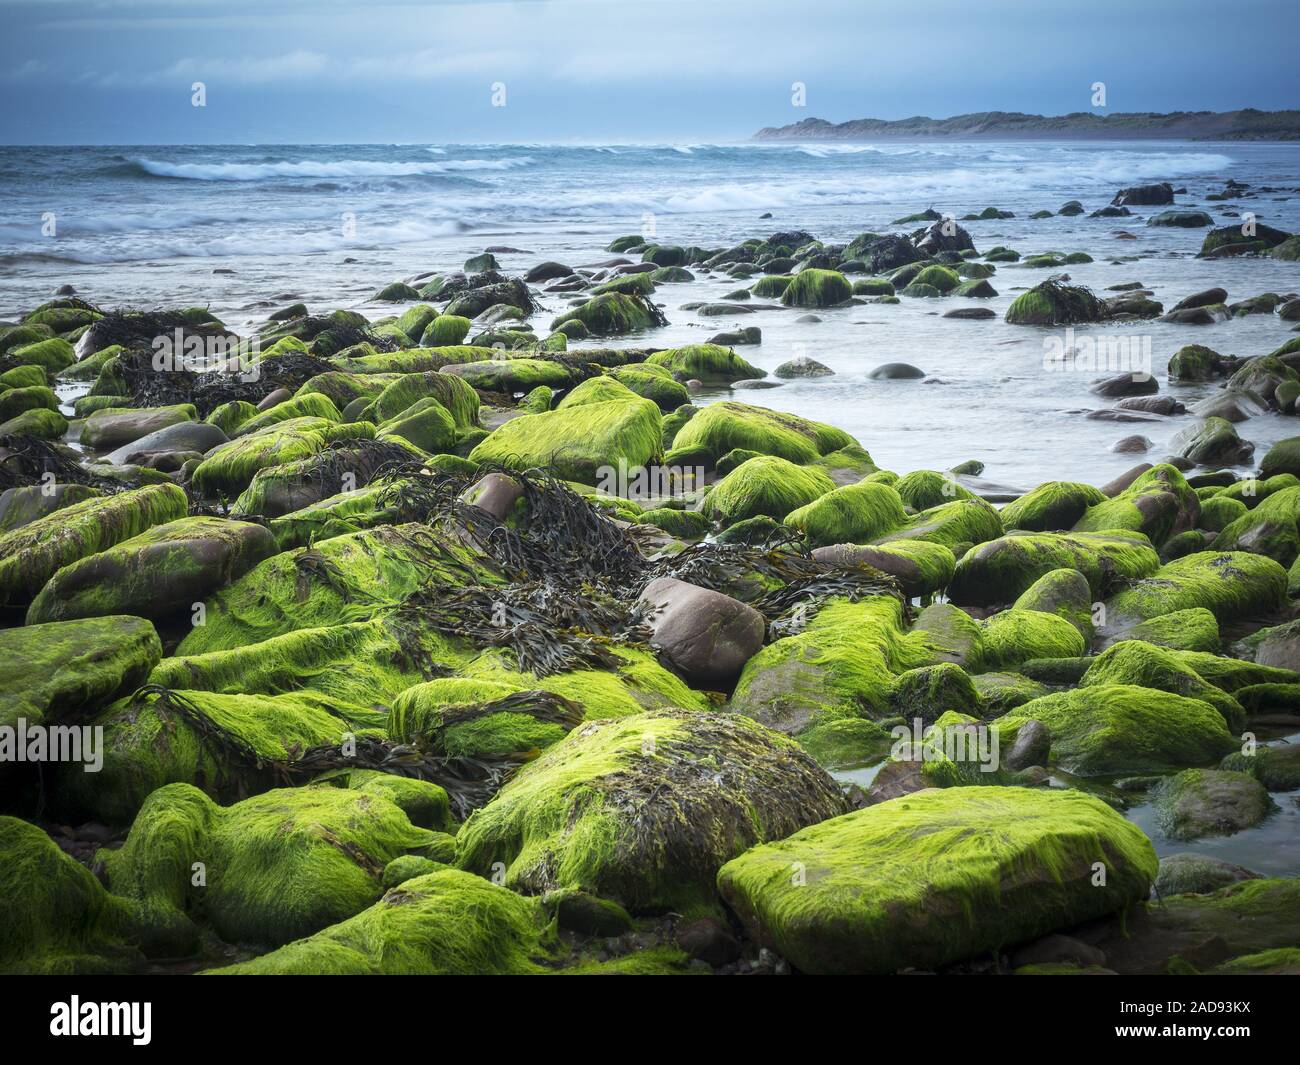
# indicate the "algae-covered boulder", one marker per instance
pixel 275 867
pixel 1282 457
pixel 453 393
pixel 726 426
pixel 342 579
pixel 228 469
pixel 63 669
pixel 167 568
pixel 1272 528
pixel 59 920
pixel 1159 503
pixel 652 381
pixel 223 743
pixel 32 554
pixel 1276 767
pixel 471 718
pixel 580 441
pixel 592 812
pixel 113 427
pixel 765 485
pixel 842 665
pixel 426 424
pixel 1055 303
pixel 710 363
pixel 853 514
pixel 1001 570
pixel 1018 635
pixel 817 288
pixel 1230 584
pixel 924 489
pixel 1121 728
pixel 445 923
pixel 1209 802
pixel 1065 593
pixel 613 313
pixel 1194 629
pixel 937 877
pixel 1149 666
pixel 961 522
pixel 920 567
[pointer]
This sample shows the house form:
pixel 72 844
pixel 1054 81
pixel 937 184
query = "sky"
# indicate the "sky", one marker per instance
pixel 445 71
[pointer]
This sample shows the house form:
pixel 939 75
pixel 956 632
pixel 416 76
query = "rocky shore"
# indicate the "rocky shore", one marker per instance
pixel 486 638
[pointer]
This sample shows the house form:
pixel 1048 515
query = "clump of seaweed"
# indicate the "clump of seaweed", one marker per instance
pixel 550 627
pixel 25 461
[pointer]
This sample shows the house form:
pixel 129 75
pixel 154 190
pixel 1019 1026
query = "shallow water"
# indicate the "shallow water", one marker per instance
pixel 149 225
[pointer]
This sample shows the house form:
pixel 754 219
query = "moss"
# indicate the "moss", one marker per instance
pixel 164 569
pixel 512 376
pixel 710 363
pixel 1055 303
pixel 1218 512
pixel 1281 961
pixel 1110 729
pixel 277 866
pixel 441 924
pixel 923 489
pixel 53 355
pixel 14 401
pixel 1001 693
pixel 24 377
pixel 1194 629
pixel 1253 490
pixel 445 330
pixel 65 669
pixel 817 288
pixel 1065 593
pixel 456 395
pixel 59 920
pixel 1159 503
pixel 921 567
pixel 1272 528
pixel 763 485
pixel 937 277
pixel 613 313
pixel 40 423
pixel 929 693
pixel 230 416
pixel 1277 768
pixel 1148 666
pixel 652 381
pixel 308 405
pixel 472 718
pixel 1282 457
pixel 568 820
pixel 342 579
pixel 1230 584
pixel 1051 507
pixel 842 665
pixel 773 286
pixel 937 877
pixel 1017 635
pixel 578 442
pixel 220 745
pixel 22 505
pixel 1001 570
pixel 30 555
pixel 426 424
pixel 684 524
pixel 228 469
pixel 853 514
pixel 963 521
pixel 721 427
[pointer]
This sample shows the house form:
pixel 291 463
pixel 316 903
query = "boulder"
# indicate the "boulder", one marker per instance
pixel 704 635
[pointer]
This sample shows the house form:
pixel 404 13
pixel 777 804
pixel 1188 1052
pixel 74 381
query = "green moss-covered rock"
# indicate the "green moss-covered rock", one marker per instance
pixel 445 923
pixel 854 514
pixel 961 522
pixel 1194 629
pixel 453 393
pixel 1055 303
pixel 1018 635
pixel 30 555
pixel 14 401
pixel 463 718
pixel 710 363
pixel 165 569
pixel 53 355
pixel 1001 570
pixel 1230 584
pixel 1065 593
pixel 937 877
pixel 817 288
pixel 578 442
pixel 568 820
pixel 276 866
pixel 766 485
pixel 40 423
pixel 1051 507
pixel 1109 729
pixel 920 567
pixel 1148 666
pixel 228 469
pixel 1272 528
pixel 722 427
pixel 923 489
pixel 59 920
pixel 612 314
pixel 1159 504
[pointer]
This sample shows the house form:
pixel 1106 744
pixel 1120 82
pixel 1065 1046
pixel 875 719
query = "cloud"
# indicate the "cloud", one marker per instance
pixel 291 67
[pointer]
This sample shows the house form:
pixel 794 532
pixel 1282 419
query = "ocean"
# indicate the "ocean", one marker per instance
pixel 248 229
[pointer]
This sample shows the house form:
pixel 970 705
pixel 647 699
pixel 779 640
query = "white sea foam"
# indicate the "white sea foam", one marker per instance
pixel 317 168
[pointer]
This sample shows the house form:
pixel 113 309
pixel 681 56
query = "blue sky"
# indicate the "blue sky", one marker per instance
pixel 120 71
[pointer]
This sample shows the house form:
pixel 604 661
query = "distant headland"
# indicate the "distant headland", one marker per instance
pixel 1247 124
